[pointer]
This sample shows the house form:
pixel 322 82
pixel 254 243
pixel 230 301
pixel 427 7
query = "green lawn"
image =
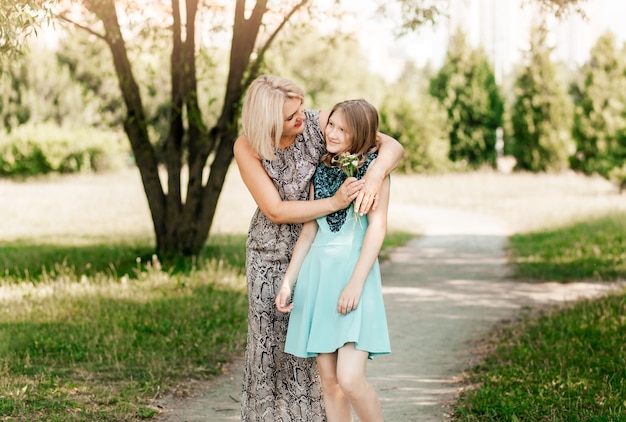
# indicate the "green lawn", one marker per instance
pixel 563 363
pixel 594 250
pixel 87 340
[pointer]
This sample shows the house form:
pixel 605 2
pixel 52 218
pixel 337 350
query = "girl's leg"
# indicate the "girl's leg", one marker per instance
pixel 353 381
pixel 336 404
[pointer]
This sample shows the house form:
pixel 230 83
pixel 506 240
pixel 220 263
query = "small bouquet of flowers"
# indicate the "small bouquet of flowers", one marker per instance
pixel 349 164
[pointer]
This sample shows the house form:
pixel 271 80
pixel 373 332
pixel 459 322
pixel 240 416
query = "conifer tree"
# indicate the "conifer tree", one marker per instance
pixel 466 87
pixel 599 117
pixel 540 118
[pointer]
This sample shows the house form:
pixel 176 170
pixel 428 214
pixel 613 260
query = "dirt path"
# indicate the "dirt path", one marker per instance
pixel 441 290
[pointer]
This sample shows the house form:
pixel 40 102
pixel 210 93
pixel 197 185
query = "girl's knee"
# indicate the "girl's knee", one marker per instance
pixel 329 380
pixel 352 384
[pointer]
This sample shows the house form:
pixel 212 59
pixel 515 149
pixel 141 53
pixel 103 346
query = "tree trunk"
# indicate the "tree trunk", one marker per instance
pixel 135 122
pixel 199 210
pixel 182 226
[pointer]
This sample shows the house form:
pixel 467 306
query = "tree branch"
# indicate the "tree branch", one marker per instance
pixel 81 26
pixel 559 7
pixel 256 64
pixel 174 138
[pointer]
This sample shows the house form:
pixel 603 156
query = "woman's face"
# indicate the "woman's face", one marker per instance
pixel 293 113
pixel 338 139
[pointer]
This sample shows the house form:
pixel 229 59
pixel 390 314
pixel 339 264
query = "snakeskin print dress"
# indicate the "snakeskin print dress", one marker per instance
pixel 278 387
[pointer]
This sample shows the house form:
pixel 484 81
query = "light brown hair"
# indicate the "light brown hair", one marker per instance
pixel 362 126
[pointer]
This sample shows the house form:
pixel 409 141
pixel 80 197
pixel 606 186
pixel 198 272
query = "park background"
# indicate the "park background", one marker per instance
pixel 96 319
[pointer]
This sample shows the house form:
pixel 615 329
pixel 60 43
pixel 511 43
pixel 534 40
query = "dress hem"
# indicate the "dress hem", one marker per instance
pixel 310 354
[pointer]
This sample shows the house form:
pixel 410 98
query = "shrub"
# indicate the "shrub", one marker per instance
pixel 420 126
pixel 35 149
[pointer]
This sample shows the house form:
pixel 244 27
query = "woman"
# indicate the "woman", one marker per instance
pixel 277 155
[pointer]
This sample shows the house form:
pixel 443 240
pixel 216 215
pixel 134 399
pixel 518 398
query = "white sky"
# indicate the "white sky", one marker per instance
pixel 387 54
pixel 573 37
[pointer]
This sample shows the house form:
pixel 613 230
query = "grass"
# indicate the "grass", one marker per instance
pixel 565 364
pixel 588 250
pixel 562 363
pixel 30 261
pixel 78 347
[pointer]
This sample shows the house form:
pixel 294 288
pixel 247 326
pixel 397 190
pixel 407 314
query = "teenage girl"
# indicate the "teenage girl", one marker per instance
pixel 337 313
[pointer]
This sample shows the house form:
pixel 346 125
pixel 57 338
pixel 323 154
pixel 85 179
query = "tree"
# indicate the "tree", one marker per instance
pixel 85 58
pixel 182 217
pixel 540 115
pixel 18 20
pixel 414 13
pixel 418 121
pixel 37 88
pixel 466 87
pixel 559 7
pixel 599 95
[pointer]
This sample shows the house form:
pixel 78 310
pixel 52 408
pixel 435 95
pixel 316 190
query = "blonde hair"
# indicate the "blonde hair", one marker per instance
pixel 262 112
pixel 361 124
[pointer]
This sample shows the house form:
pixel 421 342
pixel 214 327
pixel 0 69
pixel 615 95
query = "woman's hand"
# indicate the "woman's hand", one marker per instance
pixel 368 196
pixel 349 298
pixel 348 192
pixel 283 299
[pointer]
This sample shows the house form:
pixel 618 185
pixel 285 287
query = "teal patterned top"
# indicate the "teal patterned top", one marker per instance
pixel 326 182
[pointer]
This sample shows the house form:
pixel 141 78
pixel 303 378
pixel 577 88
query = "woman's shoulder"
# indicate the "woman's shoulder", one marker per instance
pixel 241 142
pixel 313 134
pixel 312 117
pixel 242 146
pixel 323 118
pixel 318 118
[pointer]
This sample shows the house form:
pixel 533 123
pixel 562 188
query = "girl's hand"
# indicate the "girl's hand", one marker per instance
pixel 283 299
pixel 368 196
pixel 347 192
pixel 349 298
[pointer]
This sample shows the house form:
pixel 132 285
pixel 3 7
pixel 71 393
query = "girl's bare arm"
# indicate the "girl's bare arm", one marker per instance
pixel 301 249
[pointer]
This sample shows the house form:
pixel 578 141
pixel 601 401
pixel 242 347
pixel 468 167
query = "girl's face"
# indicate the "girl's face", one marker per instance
pixel 338 139
pixel 293 114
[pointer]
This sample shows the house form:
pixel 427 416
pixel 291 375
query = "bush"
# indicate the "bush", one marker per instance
pixel 420 126
pixel 35 149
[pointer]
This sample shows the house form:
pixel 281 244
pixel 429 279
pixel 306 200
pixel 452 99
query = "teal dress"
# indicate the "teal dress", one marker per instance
pixel 315 326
